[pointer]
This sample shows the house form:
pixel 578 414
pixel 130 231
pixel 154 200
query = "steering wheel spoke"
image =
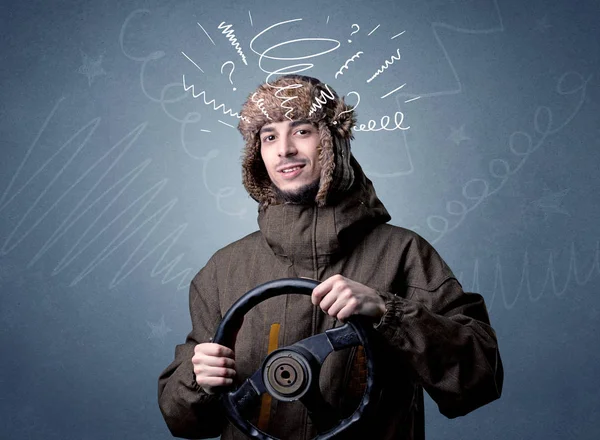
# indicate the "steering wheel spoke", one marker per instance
pixel 321 345
pixel 246 396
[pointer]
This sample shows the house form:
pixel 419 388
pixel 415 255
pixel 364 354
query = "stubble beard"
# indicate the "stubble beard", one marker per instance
pixel 305 195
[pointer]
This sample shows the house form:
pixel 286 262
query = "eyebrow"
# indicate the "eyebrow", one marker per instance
pixel 291 125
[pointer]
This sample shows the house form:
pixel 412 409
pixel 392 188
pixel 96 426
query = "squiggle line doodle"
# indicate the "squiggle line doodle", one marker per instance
pixel 259 104
pixel 500 168
pixel 212 101
pixel 286 99
pixel 385 120
pixel 345 66
pixel 321 100
pixel 287 69
pixel 385 66
pixel 573 272
pixel 124 145
pixel 231 37
pixel 189 118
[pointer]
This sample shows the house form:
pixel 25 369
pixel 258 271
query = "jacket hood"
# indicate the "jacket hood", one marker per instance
pixel 308 234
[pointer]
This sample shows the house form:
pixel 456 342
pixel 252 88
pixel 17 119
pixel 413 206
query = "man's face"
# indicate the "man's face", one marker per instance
pixel 290 152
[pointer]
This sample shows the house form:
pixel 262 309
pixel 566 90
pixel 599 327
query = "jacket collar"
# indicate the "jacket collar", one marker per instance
pixel 307 235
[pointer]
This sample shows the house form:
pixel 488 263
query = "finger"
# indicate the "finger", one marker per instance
pixel 321 291
pixel 339 305
pixel 214 361
pixel 210 382
pixel 212 349
pixel 208 371
pixel 345 313
pixel 328 301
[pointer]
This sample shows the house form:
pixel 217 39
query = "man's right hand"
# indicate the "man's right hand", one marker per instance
pixel 214 366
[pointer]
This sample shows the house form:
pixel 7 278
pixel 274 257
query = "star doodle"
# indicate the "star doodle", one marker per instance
pixel 458 135
pixel 550 202
pixel 159 330
pixel 91 67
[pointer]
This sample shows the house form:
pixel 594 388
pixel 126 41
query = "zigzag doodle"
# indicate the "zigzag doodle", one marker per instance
pixel 231 37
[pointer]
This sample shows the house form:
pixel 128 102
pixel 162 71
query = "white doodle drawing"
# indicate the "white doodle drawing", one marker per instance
pixel 393 91
pixel 357 29
pixel 231 72
pixel 574 280
pixel 410 169
pixel 192 61
pixel 435 28
pixel 457 135
pixel 288 69
pixel 159 329
pixel 345 66
pixel 221 193
pixel 228 32
pixel 91 67
pixel 397 35
pixel 549 203
pixel 212 102
pixel 412 99
pixel 385 65
pixel 351 107
pixel 385 120
pixel 115 153
pixel 225 123
pixel 321 100
pixel 190 118
pixel 522 145
pixel 211 40
pixel 376 27
pixel 250 15
pixel 286 99
pixel 260 105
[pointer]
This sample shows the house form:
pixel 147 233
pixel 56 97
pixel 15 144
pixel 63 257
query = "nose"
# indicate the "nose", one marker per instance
pixel 286 147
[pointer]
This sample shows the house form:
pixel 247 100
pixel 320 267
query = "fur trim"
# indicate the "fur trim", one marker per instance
pixel 293 97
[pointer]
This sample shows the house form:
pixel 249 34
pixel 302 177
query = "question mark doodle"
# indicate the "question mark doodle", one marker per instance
pixel 357 29
pixel 230 73
pixel 348 111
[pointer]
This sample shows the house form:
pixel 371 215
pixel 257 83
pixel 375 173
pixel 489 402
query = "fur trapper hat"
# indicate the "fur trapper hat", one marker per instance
pixel 292 97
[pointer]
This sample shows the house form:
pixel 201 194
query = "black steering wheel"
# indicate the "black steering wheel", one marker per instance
pixel 292 373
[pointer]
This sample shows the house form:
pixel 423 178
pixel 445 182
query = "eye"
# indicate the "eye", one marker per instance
pixel 266 138
pixel 304 130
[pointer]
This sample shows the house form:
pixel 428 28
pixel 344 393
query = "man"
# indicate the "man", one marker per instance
pixel 320 218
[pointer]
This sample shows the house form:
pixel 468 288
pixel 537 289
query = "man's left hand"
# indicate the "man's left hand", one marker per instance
pixel 341 298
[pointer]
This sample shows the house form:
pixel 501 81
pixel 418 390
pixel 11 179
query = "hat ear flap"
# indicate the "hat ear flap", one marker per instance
pixel 327 161
pixel 255 177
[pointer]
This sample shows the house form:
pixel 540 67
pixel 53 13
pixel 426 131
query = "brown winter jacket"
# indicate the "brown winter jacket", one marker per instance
pixel 436 336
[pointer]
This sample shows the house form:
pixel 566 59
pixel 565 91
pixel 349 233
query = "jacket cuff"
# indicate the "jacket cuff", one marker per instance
pixel 204 396
pixel 389 324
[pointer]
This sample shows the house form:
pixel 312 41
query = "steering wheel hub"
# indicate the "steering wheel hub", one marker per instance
pixel 287 375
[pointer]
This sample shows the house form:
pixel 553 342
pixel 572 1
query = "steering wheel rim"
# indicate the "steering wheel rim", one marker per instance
pixel 313 350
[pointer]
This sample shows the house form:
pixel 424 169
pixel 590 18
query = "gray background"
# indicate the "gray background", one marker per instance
pixel 117 186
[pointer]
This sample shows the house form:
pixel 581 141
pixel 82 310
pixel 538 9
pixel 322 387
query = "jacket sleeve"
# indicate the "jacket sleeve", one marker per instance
pixel 445 337
pixel 187 409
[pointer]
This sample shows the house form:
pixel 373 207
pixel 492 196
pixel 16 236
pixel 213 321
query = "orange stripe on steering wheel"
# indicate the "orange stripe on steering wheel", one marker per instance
pixel 265 406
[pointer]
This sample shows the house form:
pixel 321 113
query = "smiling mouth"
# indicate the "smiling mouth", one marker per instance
pixel 291 169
